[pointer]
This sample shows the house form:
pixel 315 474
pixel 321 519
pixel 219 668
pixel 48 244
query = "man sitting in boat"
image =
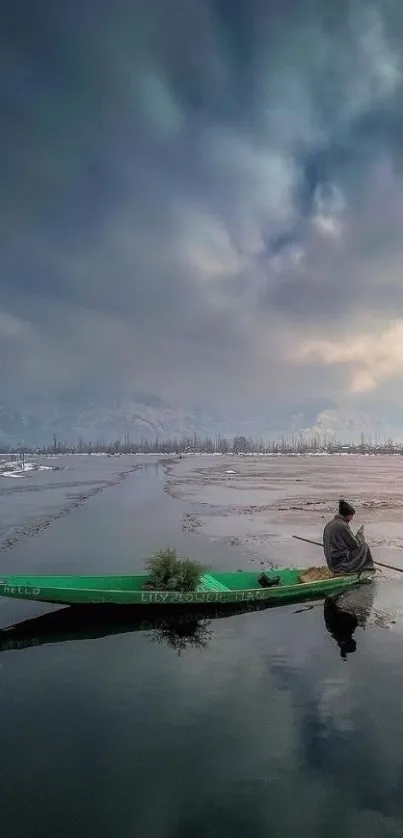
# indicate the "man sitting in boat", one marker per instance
pixel 344 551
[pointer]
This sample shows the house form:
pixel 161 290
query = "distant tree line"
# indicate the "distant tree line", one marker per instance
pixel 194 444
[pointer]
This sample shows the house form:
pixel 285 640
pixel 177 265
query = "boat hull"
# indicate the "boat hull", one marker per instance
pixel 218 588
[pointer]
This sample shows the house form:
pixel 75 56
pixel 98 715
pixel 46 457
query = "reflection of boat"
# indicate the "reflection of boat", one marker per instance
pixel 273 586
pixel 342 616
pixel 90 623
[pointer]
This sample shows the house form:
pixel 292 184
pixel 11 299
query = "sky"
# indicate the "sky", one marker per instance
pixel 203 200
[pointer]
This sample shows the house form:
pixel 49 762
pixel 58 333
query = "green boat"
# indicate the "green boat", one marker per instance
pixel 273 587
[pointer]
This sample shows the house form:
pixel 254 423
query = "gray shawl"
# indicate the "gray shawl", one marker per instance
pixel 344 551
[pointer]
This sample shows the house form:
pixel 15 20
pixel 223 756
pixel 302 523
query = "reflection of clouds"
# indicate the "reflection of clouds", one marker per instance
pixel 337 709
pixel 211 743
pixel 333 705
pixel 307 725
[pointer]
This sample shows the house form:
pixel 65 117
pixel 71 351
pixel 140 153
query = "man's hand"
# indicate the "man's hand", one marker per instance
pixel 360 534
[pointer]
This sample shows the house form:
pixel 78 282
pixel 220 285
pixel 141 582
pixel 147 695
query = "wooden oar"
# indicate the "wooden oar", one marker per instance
pixel 378 564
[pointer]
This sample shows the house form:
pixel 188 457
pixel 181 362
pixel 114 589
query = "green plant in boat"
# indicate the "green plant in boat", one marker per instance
pixel 169 571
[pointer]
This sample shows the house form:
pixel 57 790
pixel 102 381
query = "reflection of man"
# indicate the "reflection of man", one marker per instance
pixel 344 613
pixel 344 551
pixel 341 625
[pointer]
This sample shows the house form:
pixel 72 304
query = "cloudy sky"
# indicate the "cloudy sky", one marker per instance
pixel 203 199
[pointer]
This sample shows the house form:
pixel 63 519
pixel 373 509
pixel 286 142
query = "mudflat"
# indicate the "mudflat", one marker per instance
pixel 258 503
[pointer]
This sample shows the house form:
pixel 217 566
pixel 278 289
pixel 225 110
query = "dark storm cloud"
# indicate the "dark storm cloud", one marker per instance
pixel 188 188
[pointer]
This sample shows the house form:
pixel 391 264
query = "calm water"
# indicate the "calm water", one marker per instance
pixel 263 730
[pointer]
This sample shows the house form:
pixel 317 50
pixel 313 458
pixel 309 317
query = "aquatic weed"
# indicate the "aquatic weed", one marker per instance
pixel 168 570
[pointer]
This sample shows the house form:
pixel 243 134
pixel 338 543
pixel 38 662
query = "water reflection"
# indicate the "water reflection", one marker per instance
pixel 195 634
pixel 341 626
pixel 343 614
pixel 186 629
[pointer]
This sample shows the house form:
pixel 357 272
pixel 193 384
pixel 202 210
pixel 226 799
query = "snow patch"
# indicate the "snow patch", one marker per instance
pixel 15 468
